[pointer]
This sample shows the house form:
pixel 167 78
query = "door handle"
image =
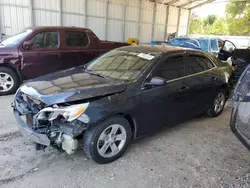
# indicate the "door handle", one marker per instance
pixel 57 54
pixel 214 78
pixel 184 88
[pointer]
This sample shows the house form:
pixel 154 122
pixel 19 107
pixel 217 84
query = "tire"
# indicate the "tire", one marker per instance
pixel 212 112
pixel 12 77
pixel 94 145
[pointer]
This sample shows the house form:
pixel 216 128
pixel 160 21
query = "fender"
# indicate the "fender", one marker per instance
pixel 12 61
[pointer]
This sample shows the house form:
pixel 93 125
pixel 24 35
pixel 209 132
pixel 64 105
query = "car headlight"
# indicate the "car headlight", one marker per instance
pixel 69 113
pixel 73 112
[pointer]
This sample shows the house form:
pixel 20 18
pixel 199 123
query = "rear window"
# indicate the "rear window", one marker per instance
pixel 77 39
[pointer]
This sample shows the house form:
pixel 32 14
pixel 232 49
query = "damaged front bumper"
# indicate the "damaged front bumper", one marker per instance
pixel 28 132
pixel 44 131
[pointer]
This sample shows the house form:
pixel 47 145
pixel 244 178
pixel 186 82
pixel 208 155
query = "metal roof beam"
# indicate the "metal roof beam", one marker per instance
pixel 200 4
pixel 187 3
pixel 172 2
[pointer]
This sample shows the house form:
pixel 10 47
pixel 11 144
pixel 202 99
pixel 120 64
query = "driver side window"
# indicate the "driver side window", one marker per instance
pixel 47 40
pixel 170 69
pixel 228 46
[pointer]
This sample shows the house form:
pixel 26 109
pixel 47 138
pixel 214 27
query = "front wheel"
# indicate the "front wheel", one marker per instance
pixel 107 141
pixel 9 81
pixel 218 104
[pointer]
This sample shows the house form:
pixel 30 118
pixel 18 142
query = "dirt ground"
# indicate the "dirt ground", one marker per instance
pixel 199 153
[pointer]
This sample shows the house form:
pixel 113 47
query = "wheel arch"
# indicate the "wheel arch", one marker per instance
pixel 225 87
pixel 131 122
pixel 128 117
pixel 14 68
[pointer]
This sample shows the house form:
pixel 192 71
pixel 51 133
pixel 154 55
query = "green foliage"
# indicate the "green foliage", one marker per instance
pixel 238 17
pixel 209 25
pixel 236 21
pixel 210 19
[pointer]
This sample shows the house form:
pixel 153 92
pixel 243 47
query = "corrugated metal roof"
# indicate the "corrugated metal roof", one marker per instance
pixel 186 4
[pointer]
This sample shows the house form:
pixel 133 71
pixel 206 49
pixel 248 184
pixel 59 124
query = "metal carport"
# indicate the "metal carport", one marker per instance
pixel 114 20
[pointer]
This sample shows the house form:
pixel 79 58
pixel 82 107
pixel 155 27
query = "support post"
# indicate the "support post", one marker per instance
pixel 31 13
pixel 154 18
pixel 189 18
pixel 166 24
pixel 60 13
pixel 106 20
pixel 140 22
pixel 124 19
pixel 85 13
pixel 178 22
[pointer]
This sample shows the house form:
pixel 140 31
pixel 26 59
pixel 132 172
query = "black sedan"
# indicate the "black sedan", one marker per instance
pixel 125 94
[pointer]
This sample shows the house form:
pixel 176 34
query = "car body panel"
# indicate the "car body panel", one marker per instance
pixel 240 116
pixel 225 53
pixel 70 85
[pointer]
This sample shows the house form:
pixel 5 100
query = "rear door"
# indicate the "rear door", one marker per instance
pixel 226 50
pixel 202 82
pixel 43 57
pixel 78 48
pixel 240 117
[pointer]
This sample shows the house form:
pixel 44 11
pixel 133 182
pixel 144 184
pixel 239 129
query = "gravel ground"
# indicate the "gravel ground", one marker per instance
pixel 199 153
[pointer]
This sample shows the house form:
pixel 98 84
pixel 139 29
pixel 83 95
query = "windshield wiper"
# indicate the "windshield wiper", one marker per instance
pixel 98 74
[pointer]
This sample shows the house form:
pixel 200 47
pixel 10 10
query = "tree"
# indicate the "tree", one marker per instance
pixel 238 17
pixel 209 25
pixel 219 27
pixel 210 19
pixel 196 25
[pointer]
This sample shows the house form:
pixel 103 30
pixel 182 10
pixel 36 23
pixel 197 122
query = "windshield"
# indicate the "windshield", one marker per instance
pixel 12 41
pixel 121 64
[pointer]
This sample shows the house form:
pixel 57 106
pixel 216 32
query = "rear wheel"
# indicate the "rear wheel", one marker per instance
pixel 9 81
pixel 107 141
pixel 218 104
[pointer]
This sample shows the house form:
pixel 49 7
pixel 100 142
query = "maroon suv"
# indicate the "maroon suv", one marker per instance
pixel 41 50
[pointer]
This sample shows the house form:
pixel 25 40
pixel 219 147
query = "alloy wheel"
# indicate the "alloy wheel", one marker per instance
pixel 219 102
pixel 111 141
pixel 6 82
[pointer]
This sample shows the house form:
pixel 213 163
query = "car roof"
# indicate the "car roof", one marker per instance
pixel 159 49
pixel 57 27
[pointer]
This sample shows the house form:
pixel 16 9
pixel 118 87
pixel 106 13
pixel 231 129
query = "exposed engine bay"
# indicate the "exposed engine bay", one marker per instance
pixel 62 124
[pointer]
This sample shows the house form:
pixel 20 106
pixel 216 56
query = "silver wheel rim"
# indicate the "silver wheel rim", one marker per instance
pixel 111 141
pixel 219 102
pixel 6 82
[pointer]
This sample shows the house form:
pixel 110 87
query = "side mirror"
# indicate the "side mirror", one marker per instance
pixel 27 45
pixel 156 81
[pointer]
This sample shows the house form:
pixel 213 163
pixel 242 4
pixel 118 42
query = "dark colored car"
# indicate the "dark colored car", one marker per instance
pixel 127 93
pixel 42 50
pixel 240 60
pixel 226 50
pixel 240 117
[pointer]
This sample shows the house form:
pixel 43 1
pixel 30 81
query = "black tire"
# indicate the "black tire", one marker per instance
pixel 15 78
pixel 211 111
pixel 91 136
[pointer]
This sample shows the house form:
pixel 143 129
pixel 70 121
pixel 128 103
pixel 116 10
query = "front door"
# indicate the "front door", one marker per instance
pixel 226 50
pixel 44 55
pixel 166 104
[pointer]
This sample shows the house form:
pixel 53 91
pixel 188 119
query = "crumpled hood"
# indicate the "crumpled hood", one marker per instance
pixel 70 85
